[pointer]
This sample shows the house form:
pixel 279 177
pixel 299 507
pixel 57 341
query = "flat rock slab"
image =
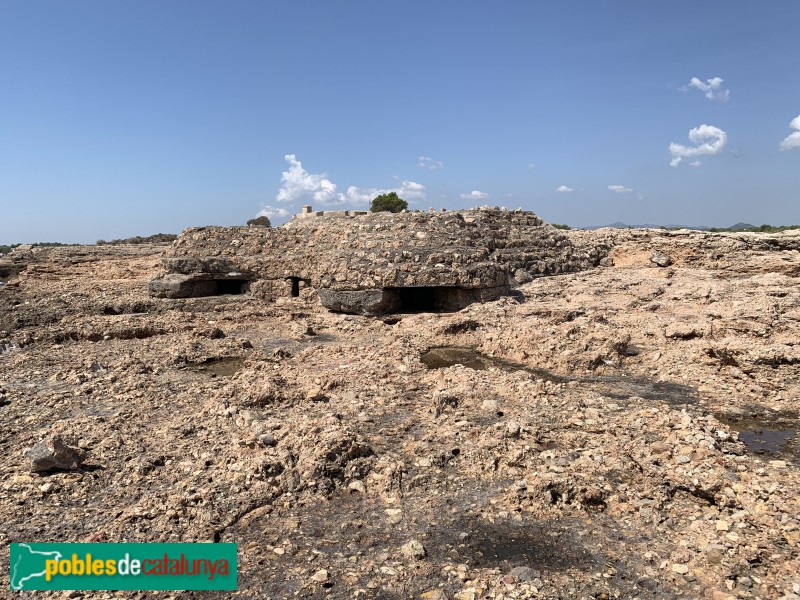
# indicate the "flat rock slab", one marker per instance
pixel 362 302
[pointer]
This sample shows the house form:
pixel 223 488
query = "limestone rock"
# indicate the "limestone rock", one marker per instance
pixel 53 454
pixel 522 276
pixel 361 302
pixel 661 259
pixel 320 576
pixel 414 549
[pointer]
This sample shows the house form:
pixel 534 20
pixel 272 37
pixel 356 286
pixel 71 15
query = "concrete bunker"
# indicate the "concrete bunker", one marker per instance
pixel 372 264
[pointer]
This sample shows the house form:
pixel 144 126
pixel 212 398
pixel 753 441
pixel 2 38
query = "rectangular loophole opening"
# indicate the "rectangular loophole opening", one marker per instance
pixel 235 287
pixel 295 291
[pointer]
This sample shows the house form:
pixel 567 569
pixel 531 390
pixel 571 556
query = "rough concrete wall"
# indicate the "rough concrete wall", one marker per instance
pixel 467 249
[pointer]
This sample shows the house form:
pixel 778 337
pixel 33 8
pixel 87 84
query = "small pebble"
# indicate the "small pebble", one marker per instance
pixel 356 486
pixel 681 569
pixel 320 576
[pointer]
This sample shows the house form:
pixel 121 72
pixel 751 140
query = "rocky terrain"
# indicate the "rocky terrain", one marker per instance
pixel 627 431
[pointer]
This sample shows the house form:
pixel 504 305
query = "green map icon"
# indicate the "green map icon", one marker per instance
pixel 28 564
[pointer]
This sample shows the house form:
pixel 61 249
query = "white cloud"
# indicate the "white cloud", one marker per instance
pixel 413 190
pixel 620 189
pixel 711 88
pixel 475 195
pixel 695 163
pixel 273 211
pixel 563 189
pixel 408 190
pixel 708 140
pixel 426 162
pixel 299 184
pixel 792 141
pixel 358 195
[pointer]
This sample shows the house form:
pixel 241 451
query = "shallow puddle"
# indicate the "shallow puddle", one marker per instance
pixel 768 441
pixel 440 357
pixel 220 367
pixel 771 435
pixel 551 546
pixel 620 387
pixel 448 356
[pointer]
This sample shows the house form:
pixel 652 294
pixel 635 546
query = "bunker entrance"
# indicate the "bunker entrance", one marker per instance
pixel 429 299
pixel 224 287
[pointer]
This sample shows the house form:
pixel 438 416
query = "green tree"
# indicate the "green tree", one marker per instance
pixel 262 221
pixel 391 202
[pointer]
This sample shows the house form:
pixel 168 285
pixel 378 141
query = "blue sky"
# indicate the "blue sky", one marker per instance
pixel 131 118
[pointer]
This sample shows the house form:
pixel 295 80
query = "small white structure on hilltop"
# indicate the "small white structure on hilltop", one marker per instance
pixel 308 213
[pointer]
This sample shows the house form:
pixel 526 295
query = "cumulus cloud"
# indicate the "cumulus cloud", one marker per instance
pixel 711 88
pixel 475 195
pixel 297 184
pixel 412 189
pixel 273 211
pixel 707 140
pixel 426 162
pixel 695 163
pixel 620 189
pixel 408 190
pixel 563 189
pixel 792 141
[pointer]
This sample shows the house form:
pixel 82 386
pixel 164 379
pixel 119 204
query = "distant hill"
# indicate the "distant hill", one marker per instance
pixel 741 227
pixel 760 229
pixel 738 227
pixel 621 225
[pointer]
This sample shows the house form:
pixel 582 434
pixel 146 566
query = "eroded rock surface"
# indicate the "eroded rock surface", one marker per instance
pixel 596 451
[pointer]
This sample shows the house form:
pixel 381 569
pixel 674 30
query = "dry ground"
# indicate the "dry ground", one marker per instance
pixel 596 455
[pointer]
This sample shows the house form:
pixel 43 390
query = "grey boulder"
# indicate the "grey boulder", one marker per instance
pixel 54 455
